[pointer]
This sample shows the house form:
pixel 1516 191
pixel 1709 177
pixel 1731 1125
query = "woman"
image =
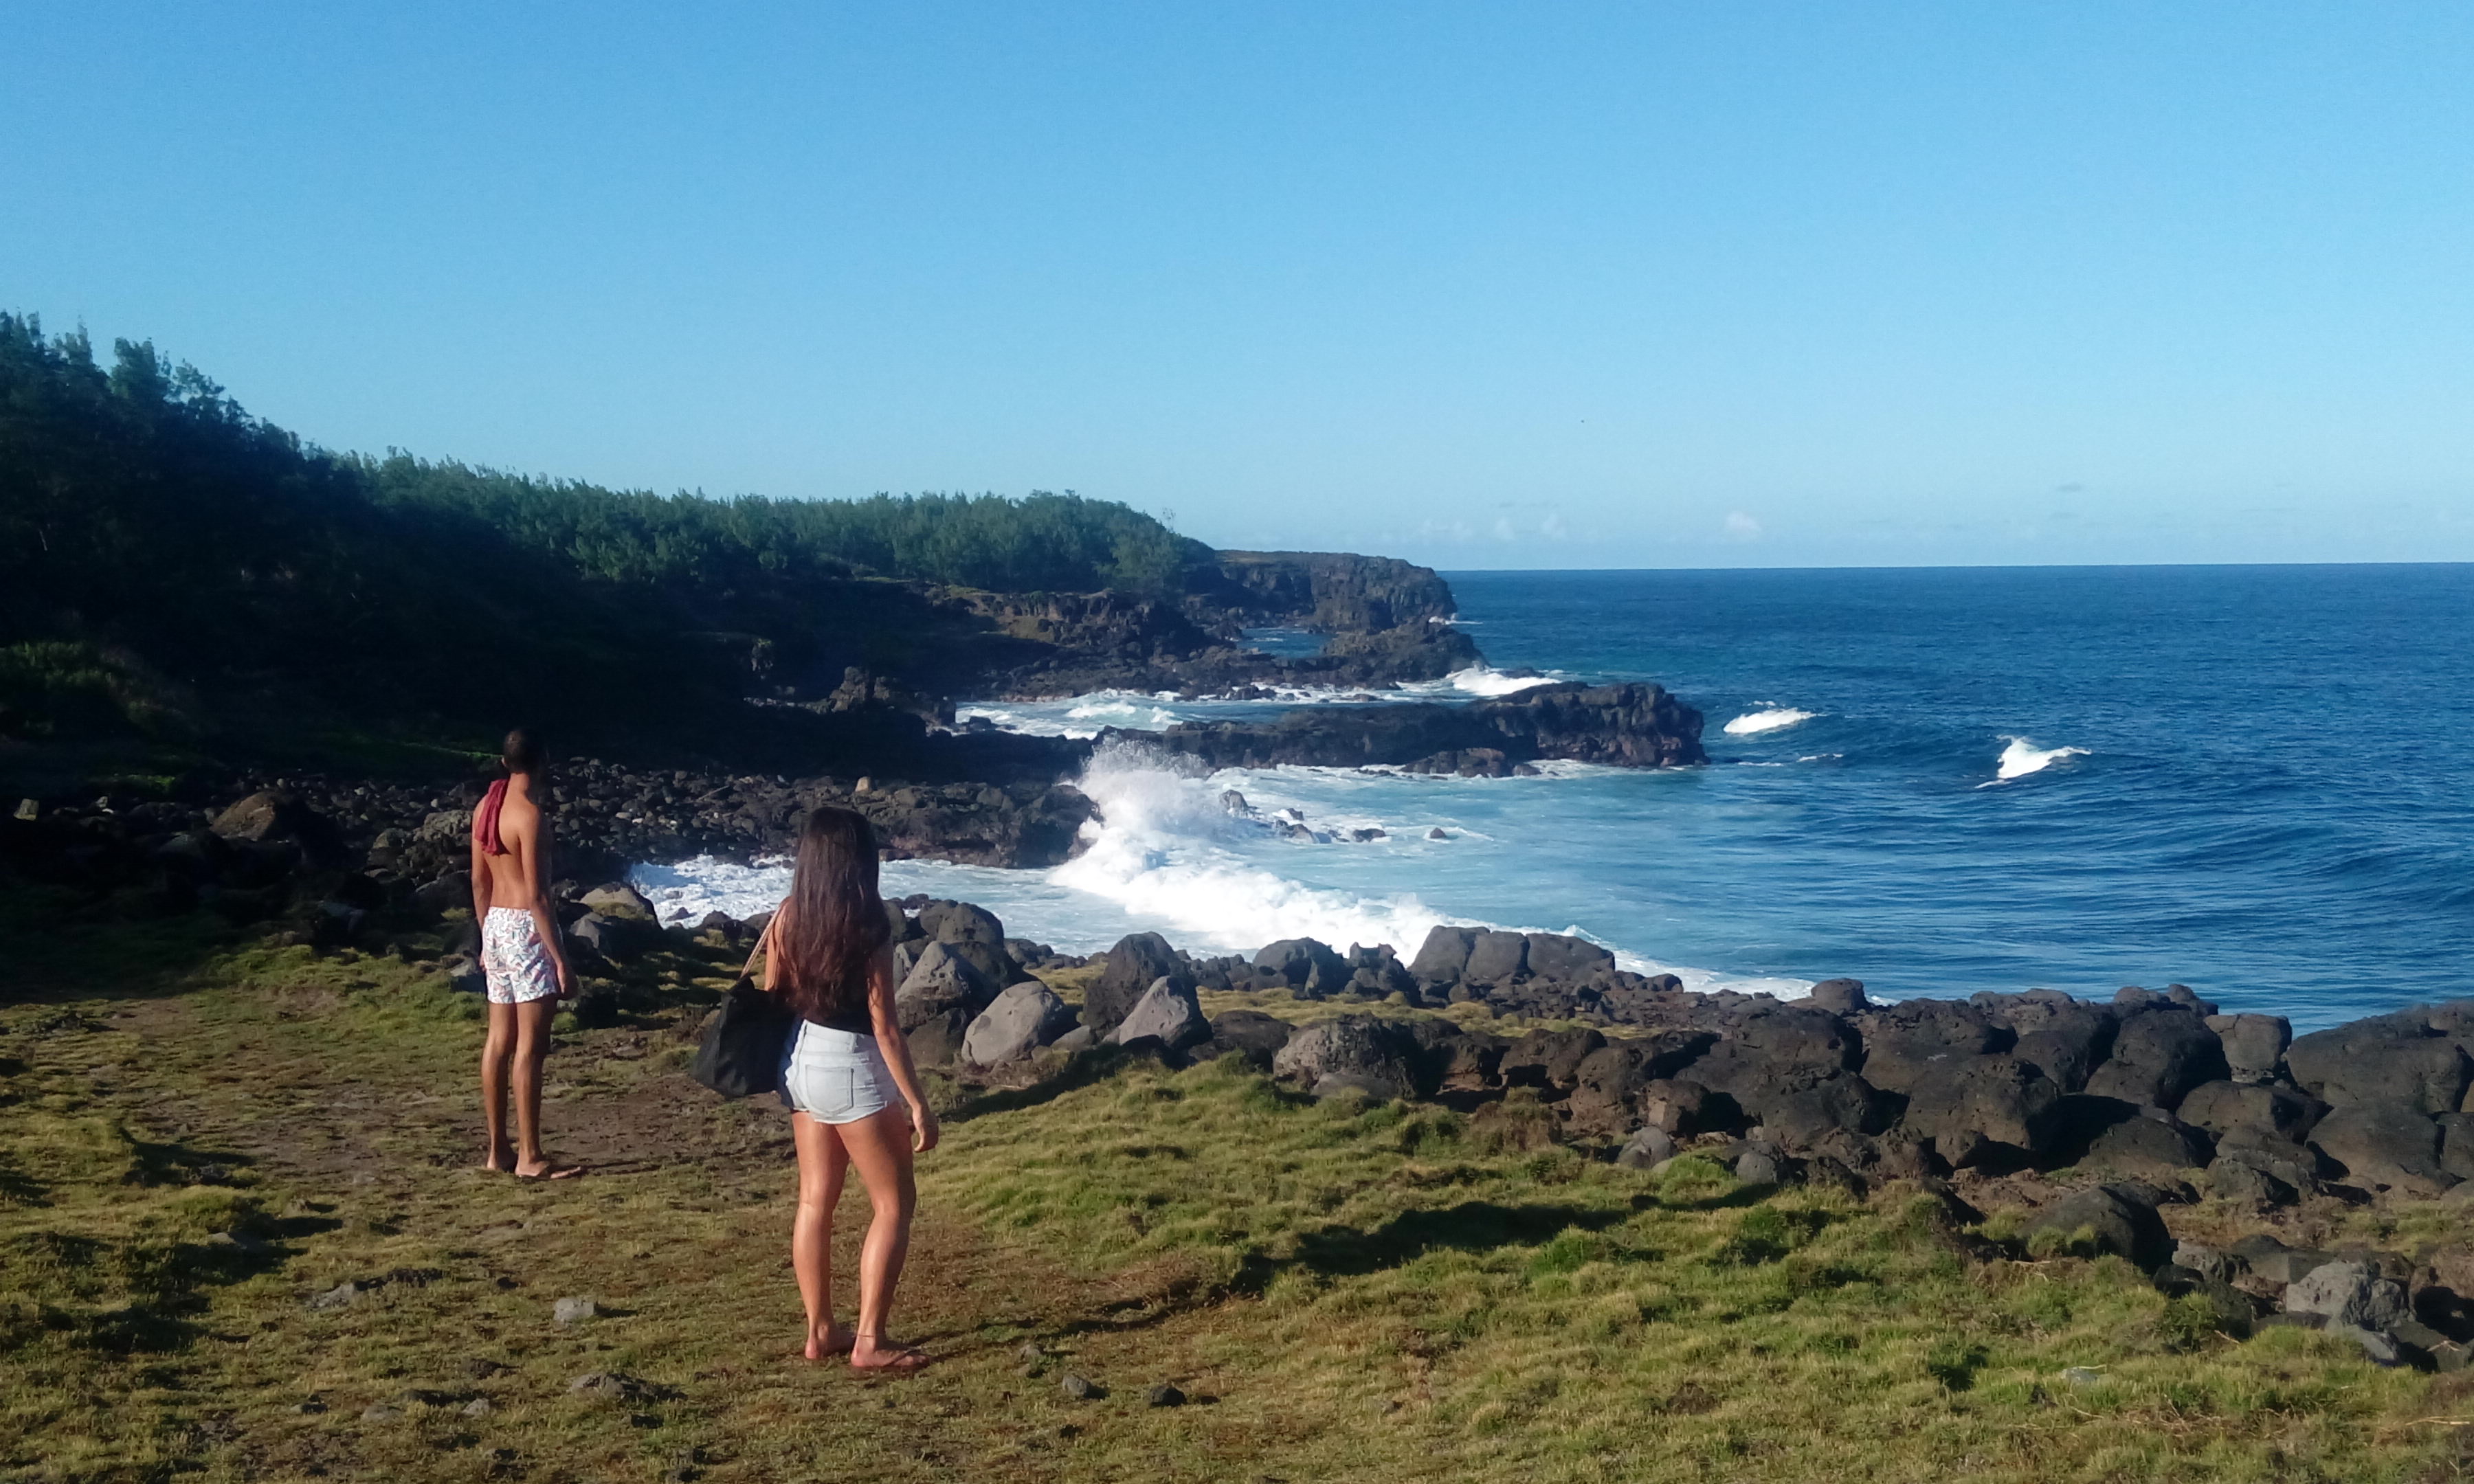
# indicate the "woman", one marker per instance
pixel 828 954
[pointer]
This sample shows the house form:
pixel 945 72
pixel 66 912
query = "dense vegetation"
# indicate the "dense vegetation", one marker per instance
pixel 157 541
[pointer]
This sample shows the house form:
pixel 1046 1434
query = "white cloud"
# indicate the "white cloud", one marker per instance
pixel 1503 531
pixel 1741 526
pixel 1553 527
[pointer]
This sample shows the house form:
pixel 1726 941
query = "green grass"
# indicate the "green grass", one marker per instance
pixel 1348 1290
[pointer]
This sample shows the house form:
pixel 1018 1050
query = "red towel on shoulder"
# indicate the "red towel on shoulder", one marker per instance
pixel 485 820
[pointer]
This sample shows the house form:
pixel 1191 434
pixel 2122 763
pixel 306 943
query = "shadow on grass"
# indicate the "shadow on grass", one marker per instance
pixel 1086 1067
pixel 1472 1226
pixel 64 946
pixel 179 1165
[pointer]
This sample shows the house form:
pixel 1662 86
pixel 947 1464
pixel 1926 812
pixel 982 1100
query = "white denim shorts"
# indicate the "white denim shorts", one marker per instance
pixel 835 1076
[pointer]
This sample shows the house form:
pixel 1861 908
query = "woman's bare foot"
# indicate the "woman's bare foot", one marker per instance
pixel 547 1170
pixel 878 1355
pixel 500 1161
pixel 834 1341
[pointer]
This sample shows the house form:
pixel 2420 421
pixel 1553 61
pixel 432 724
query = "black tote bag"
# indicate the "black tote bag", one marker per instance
pixel 741 1055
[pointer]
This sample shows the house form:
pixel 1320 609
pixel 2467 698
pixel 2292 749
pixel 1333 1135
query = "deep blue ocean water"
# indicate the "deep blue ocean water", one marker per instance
pixel 2248 780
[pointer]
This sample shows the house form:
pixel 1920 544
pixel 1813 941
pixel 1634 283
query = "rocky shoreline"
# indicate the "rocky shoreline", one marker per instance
pixel 2093 1123
pixel 2098 1125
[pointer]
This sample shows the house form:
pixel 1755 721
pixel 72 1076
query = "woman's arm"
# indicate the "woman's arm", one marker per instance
pixel 897 1050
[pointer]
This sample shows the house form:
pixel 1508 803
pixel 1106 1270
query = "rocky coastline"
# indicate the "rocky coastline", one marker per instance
pixel 2066 1124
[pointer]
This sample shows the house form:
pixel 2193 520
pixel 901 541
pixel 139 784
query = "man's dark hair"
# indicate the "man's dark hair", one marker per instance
pixel 522 752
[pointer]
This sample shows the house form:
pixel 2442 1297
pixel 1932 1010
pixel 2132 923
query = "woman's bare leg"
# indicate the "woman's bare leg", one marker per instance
pixel 822 1162
pixel 498 1049
pixel 879 1145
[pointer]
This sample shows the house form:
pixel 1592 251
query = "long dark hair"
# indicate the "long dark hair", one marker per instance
pixel 835 917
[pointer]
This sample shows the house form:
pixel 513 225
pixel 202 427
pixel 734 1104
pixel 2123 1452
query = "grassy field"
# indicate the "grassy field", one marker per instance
pixel 198 1138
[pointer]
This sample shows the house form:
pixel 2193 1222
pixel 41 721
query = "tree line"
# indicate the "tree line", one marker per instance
pixel 154 526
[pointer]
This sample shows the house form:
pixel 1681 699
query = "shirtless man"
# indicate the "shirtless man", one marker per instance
pixel 522 954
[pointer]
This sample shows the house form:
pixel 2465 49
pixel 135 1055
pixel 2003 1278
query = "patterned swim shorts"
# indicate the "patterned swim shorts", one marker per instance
pixel 513 958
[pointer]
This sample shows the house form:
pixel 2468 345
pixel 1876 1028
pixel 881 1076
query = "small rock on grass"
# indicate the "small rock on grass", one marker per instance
pixel 311 1407
pixel 570 1311
pixel 1031 1355
pixel 1164 1395
pixel 479 1406
pixel 2082 1376
pixel 1082 1388
pixel 380 1412
pixel 341 1296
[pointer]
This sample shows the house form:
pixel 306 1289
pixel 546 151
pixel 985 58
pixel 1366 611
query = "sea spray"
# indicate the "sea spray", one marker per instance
pixel 1775 718
pixel 1169 855
pixel 2023 758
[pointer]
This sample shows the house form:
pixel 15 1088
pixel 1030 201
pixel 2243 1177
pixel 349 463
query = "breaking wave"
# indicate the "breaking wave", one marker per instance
pixel 1174 853
pixel 1777 718
pixel 2023 758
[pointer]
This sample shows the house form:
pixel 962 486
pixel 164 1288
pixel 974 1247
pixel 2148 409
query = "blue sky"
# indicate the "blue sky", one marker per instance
pixel 1534 285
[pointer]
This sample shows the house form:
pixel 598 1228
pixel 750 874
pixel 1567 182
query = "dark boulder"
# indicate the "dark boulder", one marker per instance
pixel 1133 966
pixel 1168 1013
pixel 2350 1293
pixel 1607 1083
pixel 2161 1052
pixel 1497 958
pixel 1348 1052
pixel 2234 1178
pixel 1903 1042
pixel 1444 955
pixel 2390 1060
pixel 2151 1143
pixel 1839 996
pixel 1806 1107
pixel 1975 1108
pixel 1021 1019
pixel 2065 1038
pixel 2255 1045
pixel 2383 1144
pixel 1564 959
pixel 620 940
pixel 1548 1059
pixel 2251 1113
pixel 942 982
pixel 960 922
pixel 1309 967
pixel 1251 1034
pixel 2119 1219
pixel 1679 1105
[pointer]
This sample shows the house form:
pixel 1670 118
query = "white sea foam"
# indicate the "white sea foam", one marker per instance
pixel 1776 718
pixel 1168 854
pixel 1485 680
pixel 2023 758
pixel 1086 715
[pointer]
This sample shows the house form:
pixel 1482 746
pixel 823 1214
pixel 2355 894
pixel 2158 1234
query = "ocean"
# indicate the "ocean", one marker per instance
pixel 2250 779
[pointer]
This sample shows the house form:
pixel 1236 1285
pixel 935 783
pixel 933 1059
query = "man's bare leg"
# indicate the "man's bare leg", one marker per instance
pixel 498 1050
pixel 532 1020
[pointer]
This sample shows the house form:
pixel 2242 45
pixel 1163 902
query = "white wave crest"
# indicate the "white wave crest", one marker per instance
pixel 1485 680
pixel 2023 758
pixel 1163 854
pixel 1776 718
pixel 1169 854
